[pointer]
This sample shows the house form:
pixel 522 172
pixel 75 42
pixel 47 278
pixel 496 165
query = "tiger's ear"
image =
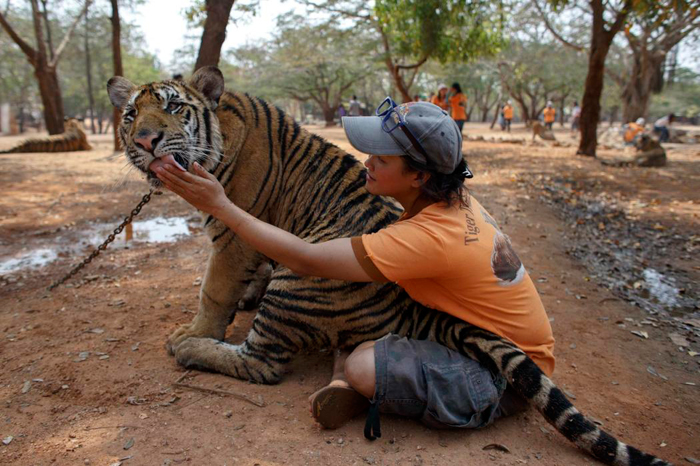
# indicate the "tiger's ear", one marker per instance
pixel 119 90
pixel 209 81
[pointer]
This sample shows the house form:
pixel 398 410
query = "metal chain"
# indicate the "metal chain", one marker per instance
pixel 109 239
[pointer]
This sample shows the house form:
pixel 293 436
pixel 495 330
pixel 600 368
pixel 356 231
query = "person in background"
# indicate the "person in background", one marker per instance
pixel 549 115
pixel 354 107
pixel 632 130
pixel 458 105
pixel 576 117
pixel 441 98
pixel 507 115
pixel 417 98
pixel 341 113
pixel 661 127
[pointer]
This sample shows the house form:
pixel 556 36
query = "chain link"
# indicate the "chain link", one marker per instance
pixel 135 211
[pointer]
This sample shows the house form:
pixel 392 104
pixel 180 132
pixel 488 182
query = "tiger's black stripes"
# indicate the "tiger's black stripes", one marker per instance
pixel 254 106
pixel 317 190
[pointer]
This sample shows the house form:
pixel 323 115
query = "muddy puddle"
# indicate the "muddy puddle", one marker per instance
pixel 75 242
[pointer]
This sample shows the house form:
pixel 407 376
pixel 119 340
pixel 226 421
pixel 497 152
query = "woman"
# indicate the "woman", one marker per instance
pixel 446 251
pixel 440 99
pixel 458 105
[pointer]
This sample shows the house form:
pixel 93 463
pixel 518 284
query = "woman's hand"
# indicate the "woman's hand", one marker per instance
pixel 200 188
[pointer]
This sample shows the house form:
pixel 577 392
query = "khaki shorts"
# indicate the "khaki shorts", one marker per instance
pixel 424 380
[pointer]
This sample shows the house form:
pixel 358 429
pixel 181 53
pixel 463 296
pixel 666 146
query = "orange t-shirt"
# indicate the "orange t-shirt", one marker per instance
pixel 442 103
pixel 549 114
pixel 508 112
pixel 633 129
pixel 458 106
pixel 458 261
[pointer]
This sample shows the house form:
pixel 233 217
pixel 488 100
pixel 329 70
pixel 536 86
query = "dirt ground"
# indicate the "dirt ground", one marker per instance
pixel 86 378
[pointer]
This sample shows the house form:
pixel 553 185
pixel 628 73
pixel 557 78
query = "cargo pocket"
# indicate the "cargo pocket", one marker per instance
pixel 463 395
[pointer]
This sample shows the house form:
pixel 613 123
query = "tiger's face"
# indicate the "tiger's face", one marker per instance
pixel 170 118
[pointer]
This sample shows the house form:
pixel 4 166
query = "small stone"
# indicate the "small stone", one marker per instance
pixel 572 346
pixel 7 440
pixel 27 386
pixel 341 441
pixel 228 413
pixel 692 460
pixel 129 443
pixel 104 356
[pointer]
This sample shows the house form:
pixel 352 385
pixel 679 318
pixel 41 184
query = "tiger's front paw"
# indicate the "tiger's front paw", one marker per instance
pixel 190 331
pixel 199 353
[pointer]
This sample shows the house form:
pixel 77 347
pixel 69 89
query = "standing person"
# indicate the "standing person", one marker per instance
pixel 575 117
pixel 458 105
pixel 440 99
pixel 417 98
pixel 445 250
pixel 508 115
pixel 341 113
pixel 354 107
pixel 661 127
pixel 549 115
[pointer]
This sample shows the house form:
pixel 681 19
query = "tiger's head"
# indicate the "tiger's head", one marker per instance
pixel 170 118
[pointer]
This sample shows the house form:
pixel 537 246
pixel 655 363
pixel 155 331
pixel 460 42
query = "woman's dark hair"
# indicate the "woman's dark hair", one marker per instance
pixel 457 87
pixel 440 187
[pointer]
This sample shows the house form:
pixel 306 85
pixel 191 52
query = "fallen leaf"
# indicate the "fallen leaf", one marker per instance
pixel 496 446
pixel 678 339
pixel 129 443
pixel 652 371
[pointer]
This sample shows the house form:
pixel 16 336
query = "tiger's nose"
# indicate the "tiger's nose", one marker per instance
pixel 147 140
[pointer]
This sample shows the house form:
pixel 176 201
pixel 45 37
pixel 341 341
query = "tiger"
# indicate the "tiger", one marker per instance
pixel 284 175
pixel 648 153
pixel 72 139
pixel 539 130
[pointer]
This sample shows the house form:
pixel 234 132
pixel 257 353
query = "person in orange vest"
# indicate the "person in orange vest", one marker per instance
pixel 441 98
pixel 549 115
pixel 633 129
pixel 508 115
pixel 458 105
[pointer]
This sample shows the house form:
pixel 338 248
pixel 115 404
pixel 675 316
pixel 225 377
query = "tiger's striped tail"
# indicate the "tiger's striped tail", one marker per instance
pixel 530 382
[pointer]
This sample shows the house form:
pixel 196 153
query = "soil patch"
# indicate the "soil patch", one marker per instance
pixel 86 378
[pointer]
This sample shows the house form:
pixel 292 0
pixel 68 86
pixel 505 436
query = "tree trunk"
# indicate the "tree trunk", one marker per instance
pixel 88 69
pixel 50 93
pixel 117 62
pixel 639 86
pixel 49 42
pixel 593 90
pixel 590 105
pixel 329 115
pixel 218 12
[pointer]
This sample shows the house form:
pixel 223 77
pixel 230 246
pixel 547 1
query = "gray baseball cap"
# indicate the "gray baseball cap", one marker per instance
pixel 432 127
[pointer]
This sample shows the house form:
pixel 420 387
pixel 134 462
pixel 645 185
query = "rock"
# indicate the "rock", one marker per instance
pixel 7 440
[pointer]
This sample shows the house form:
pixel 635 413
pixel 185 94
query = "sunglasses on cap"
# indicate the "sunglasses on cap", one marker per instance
pixel 392 119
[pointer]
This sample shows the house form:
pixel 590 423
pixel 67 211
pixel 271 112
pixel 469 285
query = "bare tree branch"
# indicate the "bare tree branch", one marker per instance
pixel 416 65
pixel 68 35
pixel 559 37
pixel 26 48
